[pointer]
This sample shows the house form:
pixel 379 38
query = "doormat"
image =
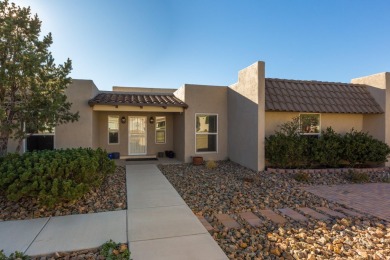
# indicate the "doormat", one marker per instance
pixel 141 159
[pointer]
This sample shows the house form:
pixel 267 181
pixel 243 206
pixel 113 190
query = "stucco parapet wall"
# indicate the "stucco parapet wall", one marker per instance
pixel 330 170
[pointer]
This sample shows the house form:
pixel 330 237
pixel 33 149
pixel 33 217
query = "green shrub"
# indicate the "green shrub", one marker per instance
pixel 357 177
pixel 115 251
pixel 14 256
pixel 328 149
pixel 287 148
pixel 361 148
pixel 54 176
pixel 301 177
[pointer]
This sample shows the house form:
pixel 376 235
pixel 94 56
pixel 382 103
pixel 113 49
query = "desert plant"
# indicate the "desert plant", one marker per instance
pixel 210 164
pixel 55 176
pixel 357 177
pixel 115 251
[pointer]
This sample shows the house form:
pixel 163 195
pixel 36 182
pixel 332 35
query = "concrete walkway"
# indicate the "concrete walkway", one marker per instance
pixel 160 224
pixel 59 234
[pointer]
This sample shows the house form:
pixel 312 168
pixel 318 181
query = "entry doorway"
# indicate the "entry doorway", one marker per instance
pixel 137 135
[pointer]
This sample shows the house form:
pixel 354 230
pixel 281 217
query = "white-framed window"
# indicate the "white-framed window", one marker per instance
pixel 206 133
pixel 310 123
pixel 113 129
pixel 161 129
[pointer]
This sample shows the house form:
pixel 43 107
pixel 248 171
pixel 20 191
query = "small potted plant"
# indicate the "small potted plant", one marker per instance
pixel 197 160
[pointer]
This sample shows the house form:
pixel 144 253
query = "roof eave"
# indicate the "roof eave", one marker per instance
pixel 91 104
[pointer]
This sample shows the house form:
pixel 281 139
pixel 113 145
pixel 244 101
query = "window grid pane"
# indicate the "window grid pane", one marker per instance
pixel 206 133
pixel 113 129
pixel 206 124
pixel 160 129
pixel 310 124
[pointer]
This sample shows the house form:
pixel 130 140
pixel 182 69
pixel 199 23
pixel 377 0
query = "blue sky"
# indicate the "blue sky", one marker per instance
pixel 166 43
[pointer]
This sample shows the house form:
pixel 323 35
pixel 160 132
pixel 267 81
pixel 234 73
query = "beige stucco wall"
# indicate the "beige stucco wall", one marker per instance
pixel 246 102
pixel 341 123
pixel 204 99
pixel 123 146
pixel 179 140
pixel 178 135
pixel 378 125
pixel 95 130
pixel 12 145
pixel 80 133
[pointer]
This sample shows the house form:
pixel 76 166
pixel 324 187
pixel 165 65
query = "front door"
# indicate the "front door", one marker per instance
pixel 137 135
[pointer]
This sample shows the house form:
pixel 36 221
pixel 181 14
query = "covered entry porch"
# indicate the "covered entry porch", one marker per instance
pixel 137 125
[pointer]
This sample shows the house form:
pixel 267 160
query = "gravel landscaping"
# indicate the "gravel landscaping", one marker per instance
pixel 88 254
pixel 232 189
pixel 109 197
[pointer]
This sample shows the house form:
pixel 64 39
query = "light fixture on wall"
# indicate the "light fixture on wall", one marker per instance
pixel 123 120
pixel 151 120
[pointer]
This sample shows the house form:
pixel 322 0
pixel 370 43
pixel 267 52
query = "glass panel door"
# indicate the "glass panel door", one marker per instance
pixel 137 135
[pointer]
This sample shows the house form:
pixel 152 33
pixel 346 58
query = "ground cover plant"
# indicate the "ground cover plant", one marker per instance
pixel 115 251
pixel 288 148
pixel 53 177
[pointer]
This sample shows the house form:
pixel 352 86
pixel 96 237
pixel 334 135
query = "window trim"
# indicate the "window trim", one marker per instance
pixel 108 129
pixel 165 130
pixel 319 124
pixel 216 134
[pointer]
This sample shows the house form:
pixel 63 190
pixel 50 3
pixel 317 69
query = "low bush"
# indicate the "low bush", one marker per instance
pixel 328 149
pixel 361 148
pixel 287 148
pixel 357 177
pixel 53 177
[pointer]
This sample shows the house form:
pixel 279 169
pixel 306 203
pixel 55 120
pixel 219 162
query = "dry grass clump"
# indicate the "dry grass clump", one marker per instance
pixel 211 164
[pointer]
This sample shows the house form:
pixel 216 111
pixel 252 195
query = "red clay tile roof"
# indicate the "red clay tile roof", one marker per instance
pixel 137 99
pixel 318 97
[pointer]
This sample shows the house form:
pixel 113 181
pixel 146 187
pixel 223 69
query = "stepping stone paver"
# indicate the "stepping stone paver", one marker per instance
pixel 251 218
pixel 349 212
pixel 330 212
pixel 205 223
pixel 293 214
pixel 227 221
pixel 273 216
pixel 313 213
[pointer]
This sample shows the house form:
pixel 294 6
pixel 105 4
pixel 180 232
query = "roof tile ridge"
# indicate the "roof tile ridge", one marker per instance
pixel 136 93
pixel 316 82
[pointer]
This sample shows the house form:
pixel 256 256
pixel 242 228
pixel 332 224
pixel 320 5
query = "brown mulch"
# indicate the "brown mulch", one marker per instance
pixel 110 196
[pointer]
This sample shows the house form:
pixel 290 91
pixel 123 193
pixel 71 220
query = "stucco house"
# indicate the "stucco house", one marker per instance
pixel 220 122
